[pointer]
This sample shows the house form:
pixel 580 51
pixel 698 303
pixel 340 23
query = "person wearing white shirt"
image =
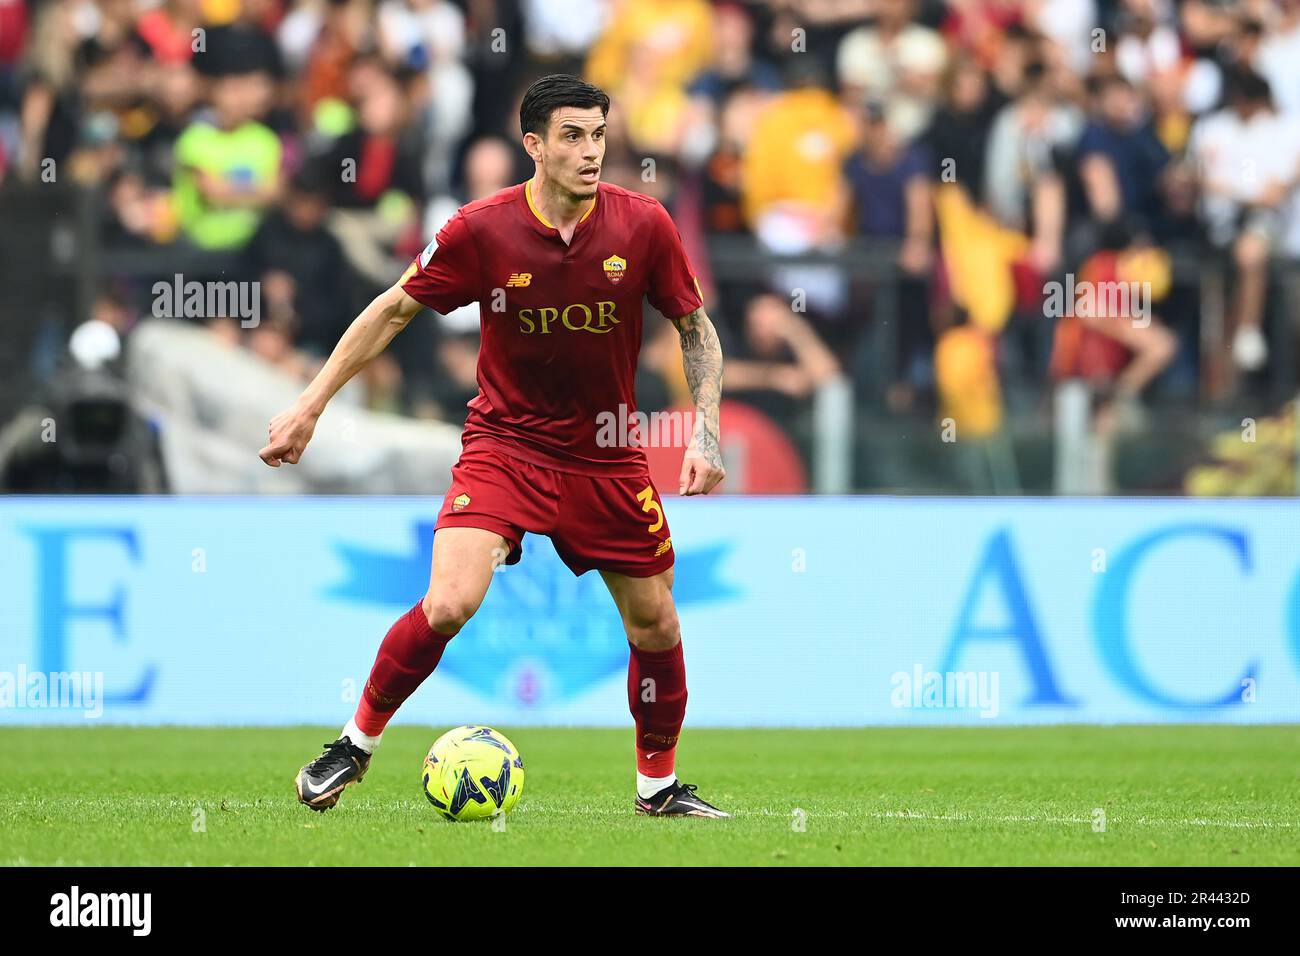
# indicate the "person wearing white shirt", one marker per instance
pixel 1246 160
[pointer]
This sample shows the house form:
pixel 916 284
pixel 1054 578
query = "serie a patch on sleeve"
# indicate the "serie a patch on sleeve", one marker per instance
pixel 427 254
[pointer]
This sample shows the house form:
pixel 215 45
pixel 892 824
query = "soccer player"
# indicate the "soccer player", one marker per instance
pixel 559 266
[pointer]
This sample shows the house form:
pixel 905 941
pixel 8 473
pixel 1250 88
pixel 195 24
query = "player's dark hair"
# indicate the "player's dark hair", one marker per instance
pixel 553 92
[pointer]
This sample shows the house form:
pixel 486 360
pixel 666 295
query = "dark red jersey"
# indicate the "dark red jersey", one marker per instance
pixel 561 324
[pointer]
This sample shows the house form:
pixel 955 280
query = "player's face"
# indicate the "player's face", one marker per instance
pixel 574 149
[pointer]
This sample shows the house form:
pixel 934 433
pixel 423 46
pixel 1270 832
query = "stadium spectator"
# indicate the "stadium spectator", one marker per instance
pixel 982 29
pixel 51 75
pixel 1121 161
pixel 791 181
pixel 415 34
pixel 239 40
pixel 559 33
pixel 778 360
pixel 1247 158
pixel 957 140
pixel 1277 58
pixel 722 174
pixel 651 51
pixel 894 61
pixel 427 39
pixel 1147 43
pixel 735 63
pixel 293 242
pixel 1068 25
pixel 1028 151
pixel 228 166
pixel 168 30
pixel 137 215
pixel 1116 342
pixel 890 182
pixel 1204 23
pixel 377 179
pixel 175 92
pixel 319 42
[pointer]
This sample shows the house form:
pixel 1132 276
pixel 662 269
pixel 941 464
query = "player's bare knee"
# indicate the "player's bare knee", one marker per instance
pixel 447 614
pixel 653 627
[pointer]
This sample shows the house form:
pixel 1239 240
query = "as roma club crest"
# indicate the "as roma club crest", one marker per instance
pixel 614 268
pixel 459 502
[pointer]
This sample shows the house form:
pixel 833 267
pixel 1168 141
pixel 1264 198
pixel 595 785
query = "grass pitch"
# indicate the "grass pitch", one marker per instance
pixel 1184 795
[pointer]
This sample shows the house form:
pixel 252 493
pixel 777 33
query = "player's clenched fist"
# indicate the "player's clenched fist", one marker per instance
pixel 699 474
pixel 289 433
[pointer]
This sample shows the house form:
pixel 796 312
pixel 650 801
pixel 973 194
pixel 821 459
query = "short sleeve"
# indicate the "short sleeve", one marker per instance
pixel 445 276
pixel 673 289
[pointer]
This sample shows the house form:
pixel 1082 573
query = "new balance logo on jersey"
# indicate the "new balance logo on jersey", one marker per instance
pixel 519 280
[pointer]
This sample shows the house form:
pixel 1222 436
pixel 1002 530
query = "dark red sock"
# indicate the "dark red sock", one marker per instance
pixel 409 653
pixel 656 695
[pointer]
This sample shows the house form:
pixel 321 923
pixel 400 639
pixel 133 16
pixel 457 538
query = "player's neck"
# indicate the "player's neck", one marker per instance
pixel 558 207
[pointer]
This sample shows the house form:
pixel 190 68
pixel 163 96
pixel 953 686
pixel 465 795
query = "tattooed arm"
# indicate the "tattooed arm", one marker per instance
pixel 702 358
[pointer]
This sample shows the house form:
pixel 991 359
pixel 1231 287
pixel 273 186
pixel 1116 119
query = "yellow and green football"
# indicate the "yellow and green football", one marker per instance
pixel 473 773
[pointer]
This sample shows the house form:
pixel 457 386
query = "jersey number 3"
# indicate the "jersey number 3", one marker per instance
pixel 650 506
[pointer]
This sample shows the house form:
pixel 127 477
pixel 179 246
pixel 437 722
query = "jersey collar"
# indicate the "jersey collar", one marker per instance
pixel 539 220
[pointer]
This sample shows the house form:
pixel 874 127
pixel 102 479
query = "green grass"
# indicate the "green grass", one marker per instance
pixel 1189 795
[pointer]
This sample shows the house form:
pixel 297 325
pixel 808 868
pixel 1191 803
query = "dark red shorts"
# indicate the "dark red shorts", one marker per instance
pixel 606 524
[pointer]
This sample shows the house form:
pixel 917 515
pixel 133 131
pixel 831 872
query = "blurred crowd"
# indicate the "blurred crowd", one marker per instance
pixel 982 148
